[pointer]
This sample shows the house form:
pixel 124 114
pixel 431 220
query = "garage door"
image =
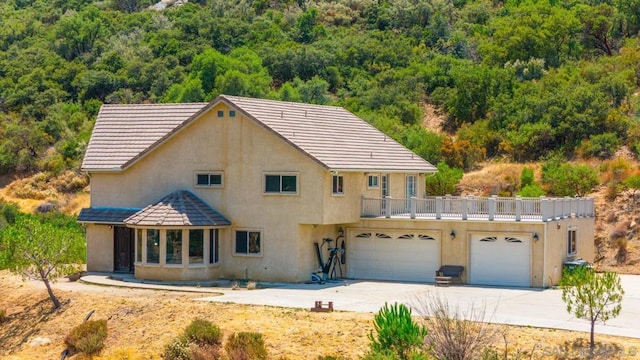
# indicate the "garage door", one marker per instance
pixel 393 255
pixel 500 260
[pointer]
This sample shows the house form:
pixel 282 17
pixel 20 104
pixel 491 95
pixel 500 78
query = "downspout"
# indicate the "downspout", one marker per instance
pixel 544 257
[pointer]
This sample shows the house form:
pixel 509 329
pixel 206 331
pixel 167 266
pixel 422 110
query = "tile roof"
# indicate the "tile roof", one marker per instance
pixel 105 215
pixel 123 132
pixel 332 136
pixel 180 208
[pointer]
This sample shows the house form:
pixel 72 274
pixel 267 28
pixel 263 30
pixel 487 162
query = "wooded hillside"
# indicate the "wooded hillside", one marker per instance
pixel 521 79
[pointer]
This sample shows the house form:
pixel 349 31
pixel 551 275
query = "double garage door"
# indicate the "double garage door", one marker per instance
pixel 393 255
pixel 500 260
pixel 414 255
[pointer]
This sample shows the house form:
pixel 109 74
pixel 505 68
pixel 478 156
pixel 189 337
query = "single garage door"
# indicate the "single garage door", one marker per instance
pixel 392 255
pixel 500 260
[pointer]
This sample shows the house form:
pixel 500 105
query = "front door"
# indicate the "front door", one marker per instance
pixel 123 249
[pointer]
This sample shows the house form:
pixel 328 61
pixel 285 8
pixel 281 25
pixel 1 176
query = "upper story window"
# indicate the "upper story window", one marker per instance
pixel 338 185
pixel 209 179
pixel 411 186
pixel 373 182
pixel 281 183
pixel 572 246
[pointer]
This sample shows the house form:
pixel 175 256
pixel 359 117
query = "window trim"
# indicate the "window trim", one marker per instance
pixel 377 182
pixel 280 175
pixel 335 190
pixel 572 237
pixel 209 173
pixel 248 230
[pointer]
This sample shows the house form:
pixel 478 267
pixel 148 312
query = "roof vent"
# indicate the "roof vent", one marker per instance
pixel 281 114
pixel 305 113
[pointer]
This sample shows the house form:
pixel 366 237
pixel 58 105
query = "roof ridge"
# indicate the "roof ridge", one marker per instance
pixel 155 104
pixel 300 104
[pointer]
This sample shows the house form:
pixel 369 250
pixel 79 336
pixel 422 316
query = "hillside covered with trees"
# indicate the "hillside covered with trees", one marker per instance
pixel 526 80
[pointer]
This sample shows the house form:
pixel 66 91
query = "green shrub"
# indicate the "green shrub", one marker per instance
pixel 246 346
pixel 88 337
pixel 396 331
pixel 444 181
pixel 531 191
pixel 601 146
pixel 177 349
pixel 203 332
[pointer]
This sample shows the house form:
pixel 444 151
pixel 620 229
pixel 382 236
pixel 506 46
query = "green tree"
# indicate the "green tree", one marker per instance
pixel 591 296
pixel 40 248
pixel 569 180
pixel 444 181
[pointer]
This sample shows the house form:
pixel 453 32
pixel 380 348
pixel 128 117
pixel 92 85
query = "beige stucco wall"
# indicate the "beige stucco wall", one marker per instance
pixel 556 245
pixel 99 248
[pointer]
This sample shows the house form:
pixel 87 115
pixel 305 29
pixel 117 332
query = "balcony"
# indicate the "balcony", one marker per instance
pixel 478 208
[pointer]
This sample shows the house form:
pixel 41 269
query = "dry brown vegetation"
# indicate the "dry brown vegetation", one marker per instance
pixel 67 191
pixel 142 322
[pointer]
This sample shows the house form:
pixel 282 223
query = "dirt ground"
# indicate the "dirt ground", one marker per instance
pixel 141 322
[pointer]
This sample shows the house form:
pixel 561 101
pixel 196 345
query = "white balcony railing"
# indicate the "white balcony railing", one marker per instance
pixel 479 208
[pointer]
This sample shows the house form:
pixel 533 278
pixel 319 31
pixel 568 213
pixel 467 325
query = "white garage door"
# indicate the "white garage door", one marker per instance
pixel 392 255
pixel 500 260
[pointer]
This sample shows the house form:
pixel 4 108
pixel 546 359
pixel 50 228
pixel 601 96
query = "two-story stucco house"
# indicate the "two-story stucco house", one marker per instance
pixel 243 188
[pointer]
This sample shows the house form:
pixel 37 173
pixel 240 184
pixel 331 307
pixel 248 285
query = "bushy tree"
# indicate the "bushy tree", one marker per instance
pixel 444 181
pixel 39 248
pixel 568 179
pixel 592 296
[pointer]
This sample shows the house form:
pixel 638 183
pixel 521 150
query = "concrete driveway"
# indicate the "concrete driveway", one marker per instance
pixel 513 306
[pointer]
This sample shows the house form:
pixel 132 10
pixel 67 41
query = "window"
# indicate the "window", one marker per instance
pixel 410 186
pixel 212 179
pixel 196 246
pixel 372 182
pixel 572 247
pixel 174 247
pixel 248 242
pixel 220 113
pixel 139 245
pixel 338 185
pixel 153 246
pixel 281 184
pixel 232 113
pixel 213 246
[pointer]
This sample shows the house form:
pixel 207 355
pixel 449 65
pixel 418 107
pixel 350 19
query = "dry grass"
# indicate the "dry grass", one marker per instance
pixel 30 192
pixel 495 179
pixel 141 322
